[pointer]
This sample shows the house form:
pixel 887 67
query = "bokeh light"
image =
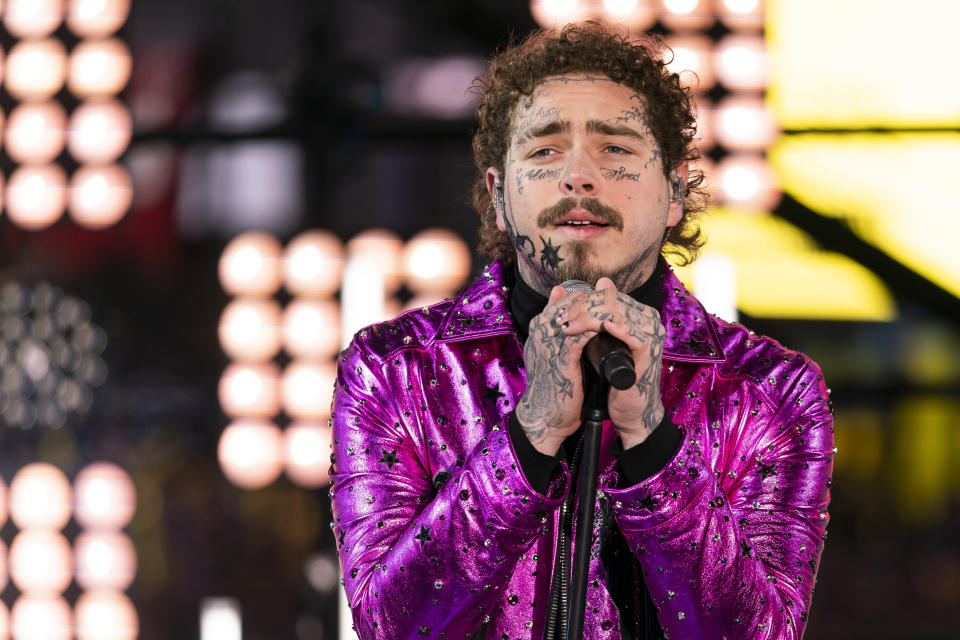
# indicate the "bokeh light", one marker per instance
pixel 249 389
pixel 741 62
pixel 35 132
pixel 311 329
pixel 4 620
pixel 744 122
pixel 100 196
pixel 313 264
pixel 41 617
pixel 35 69
pixel 32 18
pixel 307 454
pixel 251 453
pixel 105 616
pixel 692 59
pixel 105 561
pixel 3 506
pixel 99 68
pixel 748 182
pixel 307 388
pixel 382 249
pixel 250 265
pixel 36 196
pixel 99 131
pixel 741 15
pixel 553 13
pixel 40 497
pixel 435 260
pixel 250 329
pixel 41 562
pixel 687 15
pixel 106 498
pixel 97 18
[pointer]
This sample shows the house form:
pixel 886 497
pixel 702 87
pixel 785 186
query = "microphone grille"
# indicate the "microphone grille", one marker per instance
pixel 571 286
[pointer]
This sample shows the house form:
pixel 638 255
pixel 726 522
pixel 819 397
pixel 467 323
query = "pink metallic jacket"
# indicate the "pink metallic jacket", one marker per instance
pixel 440 534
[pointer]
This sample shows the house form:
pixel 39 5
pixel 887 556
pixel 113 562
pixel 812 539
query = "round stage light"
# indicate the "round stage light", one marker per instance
pixel 435 260
pixel 692 60
pixel 250 329
pixel 554 13
pixel 100 196
pixel 4 571
pixel 40 562
pixel 106 616
pixel 36 196
pixel 311 329
pixel 633 14
pixel 99 131
pixel 35 132
pixel 97 18
pixel 687 15
pixel 105 497
pixel 742 15
pixel 381 248
pixel 4 621
pixel 250 265
pixel 40 497
pixel 706 136
pixel 40 617
pixel 99 68
pixel 32 18
pixel 747 182
pixel 307 454
pixel 251 453
pixel 35 69
pixel 3 485
pixel 105 561
pixel 249 390
pixel 744 122
pixel 741 62
pixel 307 389
pixel 313 264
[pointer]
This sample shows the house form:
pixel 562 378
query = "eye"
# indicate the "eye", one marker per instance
pixel 613 148
pixel 542 153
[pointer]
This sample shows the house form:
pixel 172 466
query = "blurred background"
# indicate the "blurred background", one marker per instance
pixel 202 199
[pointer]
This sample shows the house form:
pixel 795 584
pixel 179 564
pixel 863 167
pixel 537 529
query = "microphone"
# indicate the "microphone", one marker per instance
pixel 608 356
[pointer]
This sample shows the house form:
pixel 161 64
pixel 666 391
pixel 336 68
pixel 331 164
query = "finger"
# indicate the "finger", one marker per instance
pixel 555 294
pixel 606 283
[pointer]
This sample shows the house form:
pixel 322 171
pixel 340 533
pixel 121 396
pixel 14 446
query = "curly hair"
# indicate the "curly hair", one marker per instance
pixel 594 48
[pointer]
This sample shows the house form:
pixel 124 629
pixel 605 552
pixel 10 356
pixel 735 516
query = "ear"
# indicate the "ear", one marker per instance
pixel 675 213
pixel 493 178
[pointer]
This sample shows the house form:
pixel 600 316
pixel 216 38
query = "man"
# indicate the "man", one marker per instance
pixel 456 426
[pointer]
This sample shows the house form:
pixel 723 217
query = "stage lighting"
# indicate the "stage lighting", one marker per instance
pixel 105 497
pixel 3 491
pixel 40 562
pixel 382 249
pixel 307 454
pixel 251 453
pixel 220 619
pixel 32 18
pixel 99 131
pixel 36 196
pixel 706 135
pixel 687 15
pixel 249 390
pixel 100 196
pixel 250 329
pixel 97 18
pixel 41 617
pixel 307 389
pixel 311 329
pixel 692 59
pixel 105 616
pixel 35 69
pixel 105 561
pixel 555 13
pixel 741 62
pixel 35 132
pixel 250 265
pixel 4 620
pixel 313 264
pixel 40 497
pixel 435 260
pixel 744 122
pixel 742 15
pixel 747 182
pixel 99 68
pixel 322 572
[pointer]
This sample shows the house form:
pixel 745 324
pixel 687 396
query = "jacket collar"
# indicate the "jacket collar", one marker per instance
pixel 483 309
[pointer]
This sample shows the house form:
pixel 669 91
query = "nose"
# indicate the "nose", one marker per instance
pixel 580 175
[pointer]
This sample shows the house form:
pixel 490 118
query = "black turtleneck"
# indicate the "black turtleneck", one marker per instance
pixel 634 464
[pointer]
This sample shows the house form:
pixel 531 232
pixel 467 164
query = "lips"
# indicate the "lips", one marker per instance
pixel 580 218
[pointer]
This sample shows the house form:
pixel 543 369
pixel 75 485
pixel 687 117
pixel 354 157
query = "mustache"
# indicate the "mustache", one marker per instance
pixel 554 212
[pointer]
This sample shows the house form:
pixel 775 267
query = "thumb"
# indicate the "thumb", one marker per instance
pixel 556 293
pixel 606 283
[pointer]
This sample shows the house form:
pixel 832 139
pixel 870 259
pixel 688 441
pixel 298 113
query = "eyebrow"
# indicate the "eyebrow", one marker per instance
pixel 546 129
pixel 605 128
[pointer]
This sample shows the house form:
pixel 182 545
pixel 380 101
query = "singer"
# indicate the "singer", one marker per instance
pixel 457 427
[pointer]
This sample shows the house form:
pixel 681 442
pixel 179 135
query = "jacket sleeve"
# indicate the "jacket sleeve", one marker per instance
pixel 731 550
pixel 422 557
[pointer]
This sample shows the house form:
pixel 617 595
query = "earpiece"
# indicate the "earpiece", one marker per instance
pixel 498 193
pixel 677 188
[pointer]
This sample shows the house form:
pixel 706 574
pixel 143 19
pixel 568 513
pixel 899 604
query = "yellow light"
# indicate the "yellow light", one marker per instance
pixel 105 560
pixel 40 497
pixel 99 68
pixel 747 181
pixel 250 265
pixel 100 196
pixel 742 62
pixel 35 69
pixel 97 18
pixel 106 616
pixel 311 329
pixel 744 122
pixel 99 131
pixel 382 249
pixel 40 562
pixel 105 495
pixel 307 454
pixel 857 75
pixel 35 132
pixel 313 264
pixel 251 453
pixel 33 18
pixel 692 60
pixel 250 329
pixel 307 389
pixel 249 390
pixel 883 186
pixel 436 260
pixel 36 617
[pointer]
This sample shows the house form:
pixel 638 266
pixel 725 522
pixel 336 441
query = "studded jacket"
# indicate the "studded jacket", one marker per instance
pixel 440 535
